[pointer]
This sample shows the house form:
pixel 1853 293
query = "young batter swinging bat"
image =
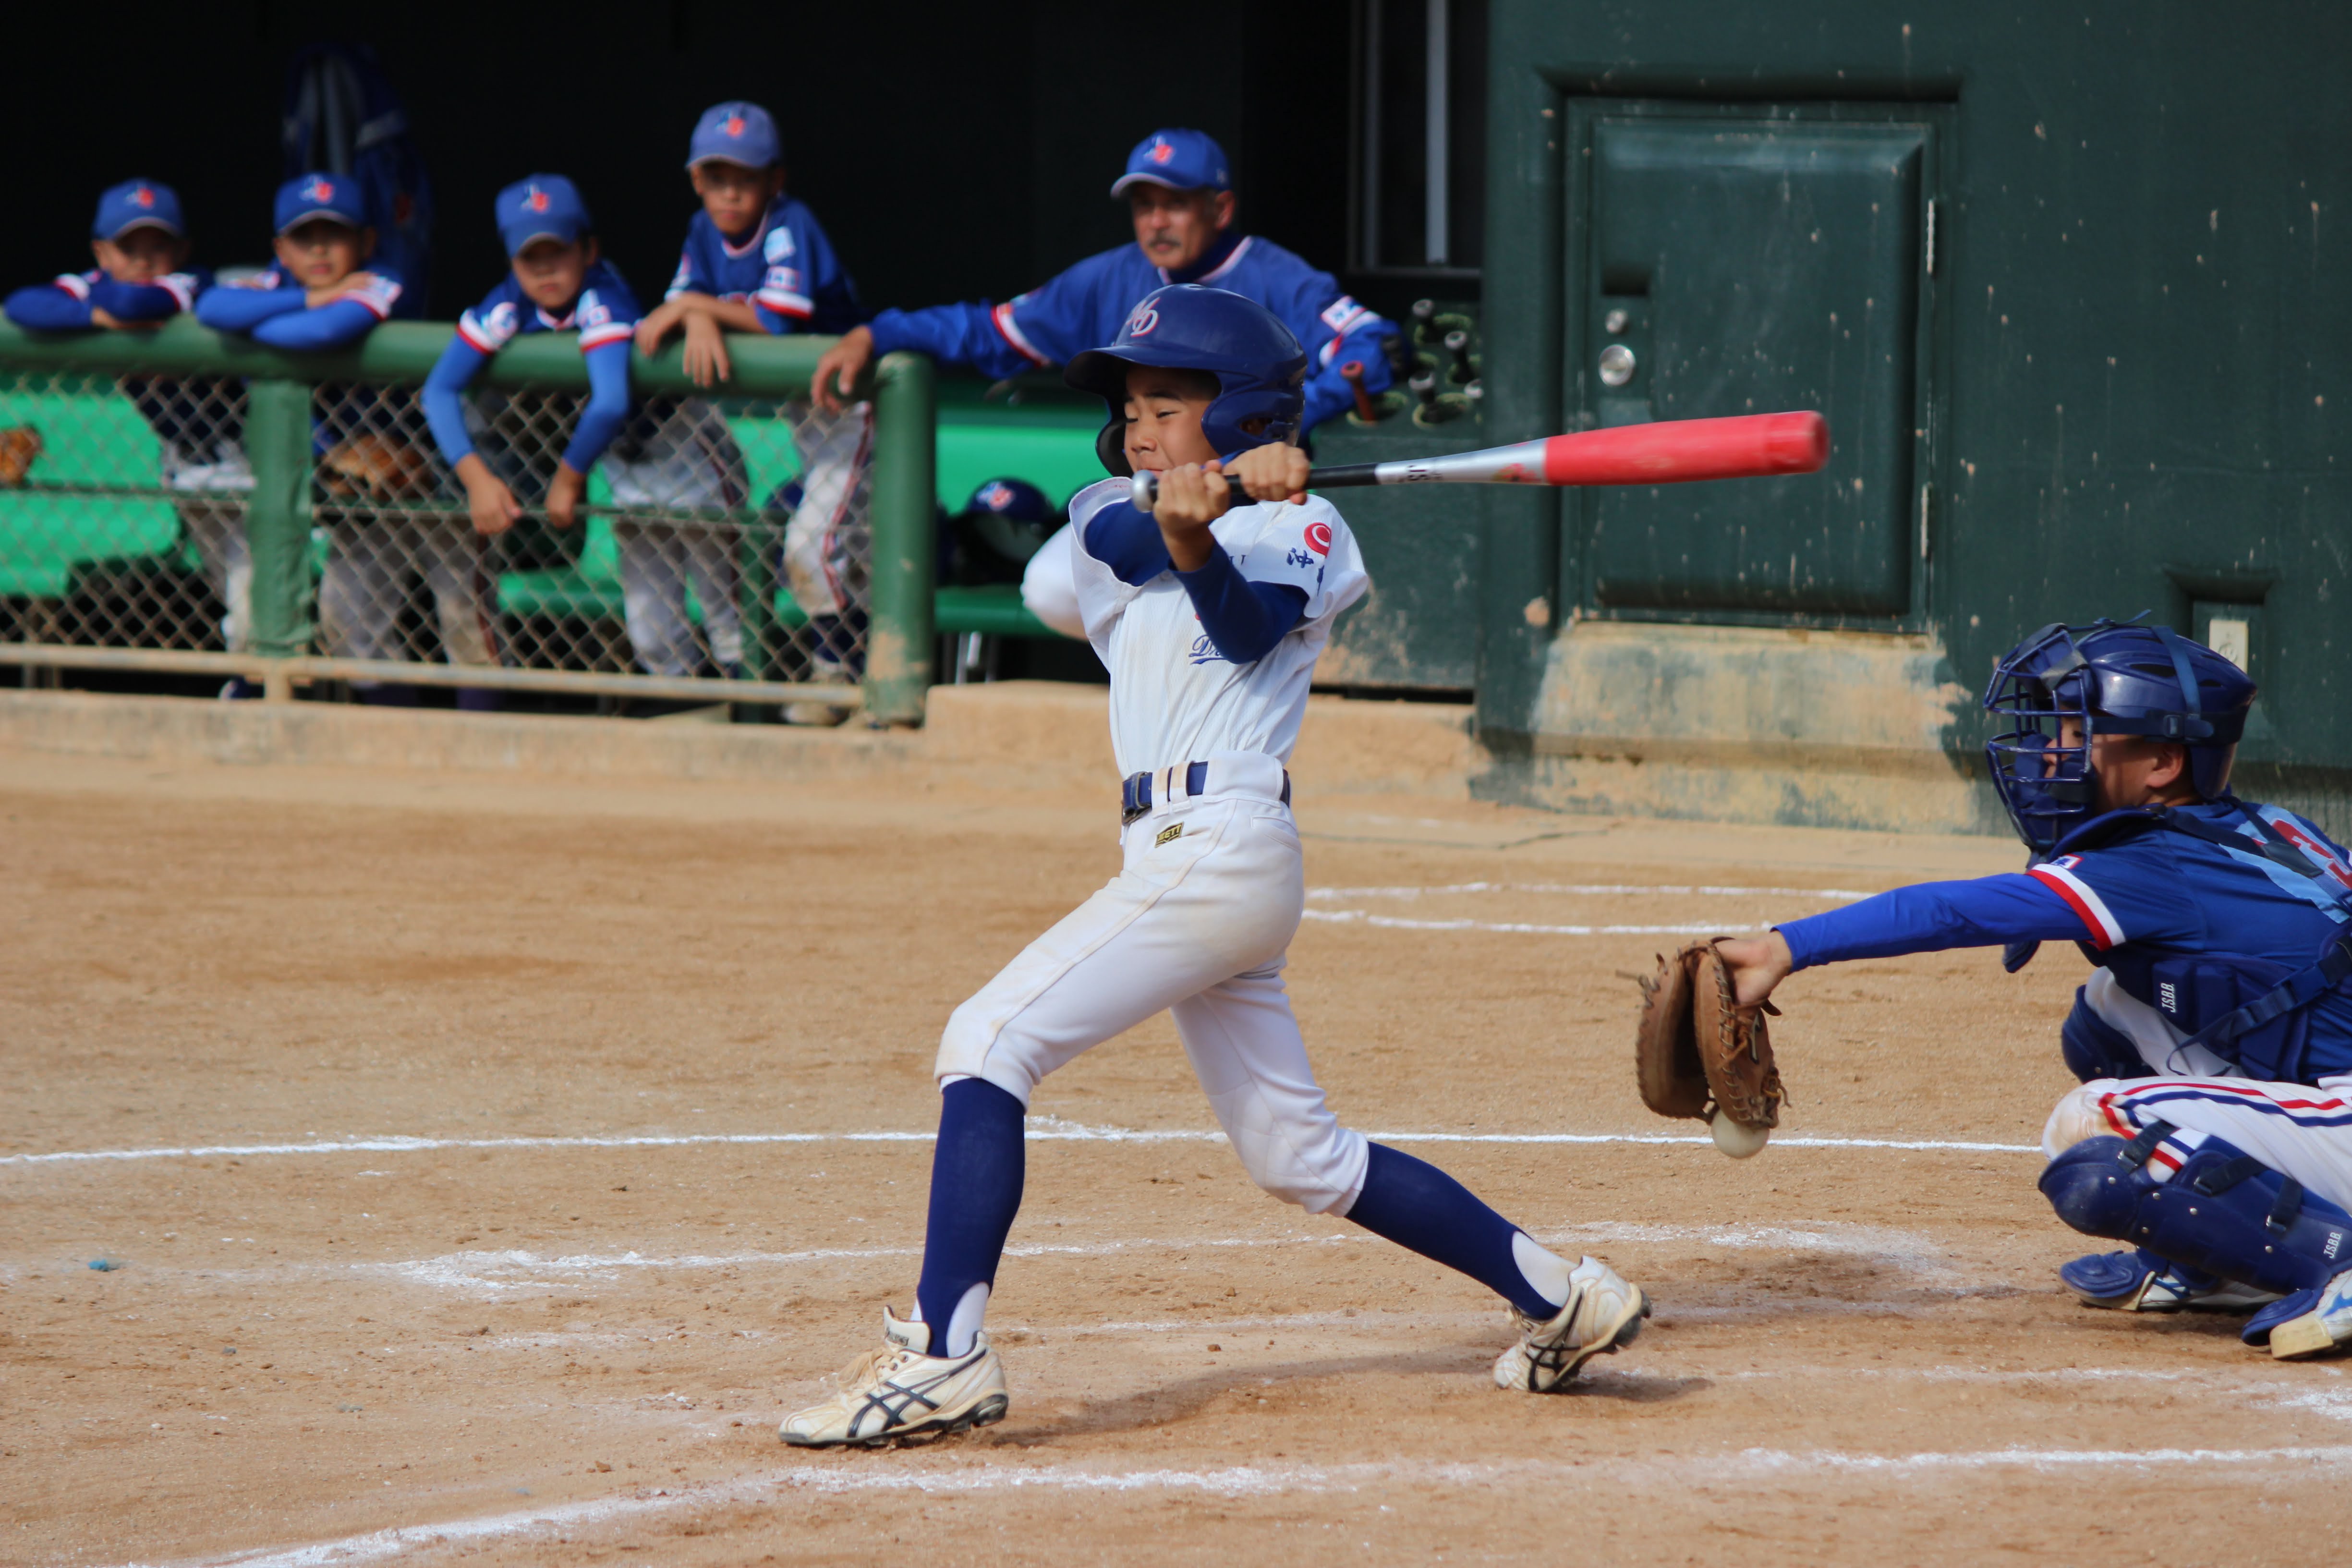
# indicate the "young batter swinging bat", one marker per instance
pixel 1665 452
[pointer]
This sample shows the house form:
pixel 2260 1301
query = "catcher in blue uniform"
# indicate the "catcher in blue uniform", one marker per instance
pixel 2213 1128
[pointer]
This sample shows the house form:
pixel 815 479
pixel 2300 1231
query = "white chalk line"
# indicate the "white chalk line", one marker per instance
pixel 892 1473
pixel 1041 1129
pixel 1595 889
pixel 1516 928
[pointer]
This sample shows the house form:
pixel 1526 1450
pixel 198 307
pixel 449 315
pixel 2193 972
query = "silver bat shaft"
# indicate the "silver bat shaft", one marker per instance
pixel 1521 463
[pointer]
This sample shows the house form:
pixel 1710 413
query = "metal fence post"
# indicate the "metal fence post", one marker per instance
pixel 277 519
pixel 898 647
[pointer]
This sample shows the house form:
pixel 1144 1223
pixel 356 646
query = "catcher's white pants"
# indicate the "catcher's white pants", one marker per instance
pixel 1195 923
pixel 367 587
pixel 2294 1128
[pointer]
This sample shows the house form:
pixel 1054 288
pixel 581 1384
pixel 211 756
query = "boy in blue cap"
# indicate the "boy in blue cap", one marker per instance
pixel 557 282
pixel 141 280
pixel 142 248
pixel 316 297
pixel 755 260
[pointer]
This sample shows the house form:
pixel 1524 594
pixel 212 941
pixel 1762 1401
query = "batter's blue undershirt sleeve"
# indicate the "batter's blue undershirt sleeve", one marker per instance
pixel 242 309
pixel 1128 541
pixel 134 301
pixel 1243 618
pixel 329 326
pixel 45 308
pixel 608 405
pixel 445 405
pixel 1989 911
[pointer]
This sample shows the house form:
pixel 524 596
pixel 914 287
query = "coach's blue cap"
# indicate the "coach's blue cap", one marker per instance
pixel 737 133
pixel 136 204
pixel 544 206
pixel 335 197
pixel 1180 160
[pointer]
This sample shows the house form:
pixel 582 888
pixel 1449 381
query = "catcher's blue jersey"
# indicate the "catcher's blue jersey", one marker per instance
pixel 2146 905
pixel 785 269
pixel 1083 308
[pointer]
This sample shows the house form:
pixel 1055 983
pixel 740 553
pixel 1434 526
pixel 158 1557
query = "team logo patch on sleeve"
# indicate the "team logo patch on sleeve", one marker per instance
pixel 1318 538
pixel 779 245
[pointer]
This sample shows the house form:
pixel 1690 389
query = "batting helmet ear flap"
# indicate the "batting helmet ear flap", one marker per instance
pixel 1111 446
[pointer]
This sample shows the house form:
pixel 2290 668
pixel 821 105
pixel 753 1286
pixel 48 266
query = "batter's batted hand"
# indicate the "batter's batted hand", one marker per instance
pixel 840 369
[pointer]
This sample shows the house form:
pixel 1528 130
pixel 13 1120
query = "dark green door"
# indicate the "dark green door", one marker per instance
pixel 1736 262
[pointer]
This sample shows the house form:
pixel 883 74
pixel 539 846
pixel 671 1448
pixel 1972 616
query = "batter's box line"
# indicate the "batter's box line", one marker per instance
pixel 1041 1129
pixel 953 1478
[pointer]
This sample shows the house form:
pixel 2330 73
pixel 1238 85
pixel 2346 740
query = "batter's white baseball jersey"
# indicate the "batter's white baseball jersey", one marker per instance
pixel 1173 698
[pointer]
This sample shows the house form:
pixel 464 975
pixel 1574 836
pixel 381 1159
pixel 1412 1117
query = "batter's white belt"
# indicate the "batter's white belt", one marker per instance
pixel 1227 773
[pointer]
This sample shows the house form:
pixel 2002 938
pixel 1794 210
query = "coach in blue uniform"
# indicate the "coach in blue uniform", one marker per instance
pixel 1181 198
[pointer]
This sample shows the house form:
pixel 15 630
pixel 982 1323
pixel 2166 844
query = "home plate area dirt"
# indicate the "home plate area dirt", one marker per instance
pixel 428 1167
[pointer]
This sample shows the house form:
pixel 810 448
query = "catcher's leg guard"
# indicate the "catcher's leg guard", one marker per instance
pixel 2206 1204
pixel 2094 1048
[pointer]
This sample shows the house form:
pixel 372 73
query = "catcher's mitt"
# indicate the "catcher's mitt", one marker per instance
pixel 1697 1053
pixel 376 467
pixel 19 445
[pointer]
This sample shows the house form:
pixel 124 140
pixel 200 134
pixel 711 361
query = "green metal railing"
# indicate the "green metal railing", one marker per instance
pixel 281 511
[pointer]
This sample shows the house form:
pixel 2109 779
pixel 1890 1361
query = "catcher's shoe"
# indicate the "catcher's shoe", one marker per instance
pixel 2140 1281
pixel 2307 1324
pixel 899 1392
pixel 1603 1313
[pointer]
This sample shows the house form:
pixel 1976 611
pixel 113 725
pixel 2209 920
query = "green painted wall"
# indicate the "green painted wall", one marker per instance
pixel 2136 350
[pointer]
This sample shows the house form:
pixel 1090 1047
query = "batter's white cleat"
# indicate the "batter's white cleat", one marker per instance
pixel 1603 1313
pixel 899 1392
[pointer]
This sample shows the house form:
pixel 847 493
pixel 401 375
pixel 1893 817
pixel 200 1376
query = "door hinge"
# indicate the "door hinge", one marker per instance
pixel 1930 242
pixel 1927 515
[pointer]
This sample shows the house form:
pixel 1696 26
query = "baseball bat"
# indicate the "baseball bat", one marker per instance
pixel 1664 452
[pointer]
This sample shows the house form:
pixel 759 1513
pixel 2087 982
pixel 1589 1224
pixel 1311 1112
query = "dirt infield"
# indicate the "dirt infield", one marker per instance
pixel 486 1164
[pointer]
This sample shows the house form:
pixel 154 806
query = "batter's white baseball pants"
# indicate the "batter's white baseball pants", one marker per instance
pixel 2295 1129
pixel 1196 922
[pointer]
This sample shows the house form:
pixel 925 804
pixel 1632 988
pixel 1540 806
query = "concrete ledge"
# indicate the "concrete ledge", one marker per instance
pixel 1034 735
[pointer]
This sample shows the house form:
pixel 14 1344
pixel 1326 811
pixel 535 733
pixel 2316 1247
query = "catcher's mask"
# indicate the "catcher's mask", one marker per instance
pixel 2116 679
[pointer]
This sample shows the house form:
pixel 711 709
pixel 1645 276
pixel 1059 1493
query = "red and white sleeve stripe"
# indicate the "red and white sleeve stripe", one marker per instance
pixel 78 287
pixel 181 287
pixel 1002 317
pixel 470 328
pixel 797 306
pixel 610 332
pixel 2105 928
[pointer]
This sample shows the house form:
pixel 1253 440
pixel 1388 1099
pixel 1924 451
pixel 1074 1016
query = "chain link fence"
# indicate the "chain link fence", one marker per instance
pixel 726 548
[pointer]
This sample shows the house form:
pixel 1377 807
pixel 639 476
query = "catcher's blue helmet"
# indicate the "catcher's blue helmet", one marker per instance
pixel 2116 679
pixel 1258 364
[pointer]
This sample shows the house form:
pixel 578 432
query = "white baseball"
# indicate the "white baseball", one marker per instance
pixel 1739 1143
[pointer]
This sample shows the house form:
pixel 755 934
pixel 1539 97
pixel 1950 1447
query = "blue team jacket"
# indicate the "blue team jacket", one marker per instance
pixel 1083 308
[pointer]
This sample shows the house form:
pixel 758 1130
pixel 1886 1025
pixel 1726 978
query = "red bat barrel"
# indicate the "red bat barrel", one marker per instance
pixel 1676 451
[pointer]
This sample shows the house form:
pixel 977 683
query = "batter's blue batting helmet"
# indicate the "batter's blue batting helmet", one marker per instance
pixel 2116 679
pixel 1258 364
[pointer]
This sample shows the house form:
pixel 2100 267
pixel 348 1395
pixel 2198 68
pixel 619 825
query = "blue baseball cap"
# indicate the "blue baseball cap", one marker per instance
pixel 335 197
pixel 735 132
pixel 541 207
pixel 1017 500
pixel 136 204
pixel 1180 160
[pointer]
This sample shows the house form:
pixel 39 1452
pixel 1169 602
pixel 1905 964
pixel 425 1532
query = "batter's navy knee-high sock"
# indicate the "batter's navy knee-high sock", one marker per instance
pixel 1413 1204
pixel 976 1175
